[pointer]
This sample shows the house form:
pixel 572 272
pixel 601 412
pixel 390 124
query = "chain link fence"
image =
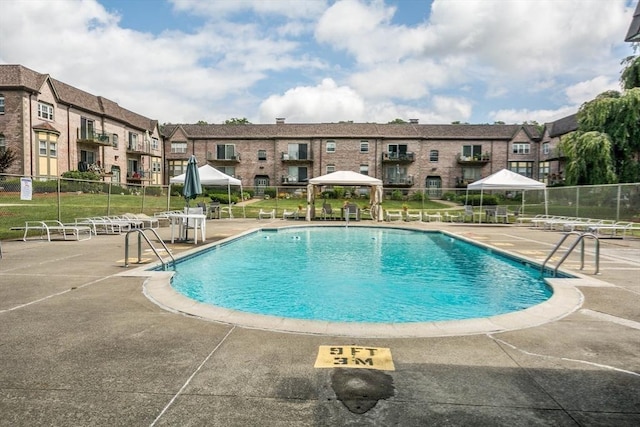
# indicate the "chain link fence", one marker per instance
pixel 67 199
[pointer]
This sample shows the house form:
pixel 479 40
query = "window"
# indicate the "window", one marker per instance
pixel 397 151
pixel 86 128
pixel 155 166
pixel 296 174
pixel 545 148
pixel 471 174
pixel 1 104
pixel 154 143
pixel 297 152
pixel 331 147
pixel 262 154
pixel 133 141
pixel 364 169
pixel 179 147
pixel 229 170
pixel 3 144
pixel 331 168
pixel 89 157
pixel 471 151
pixel 114 140
pixel 45 111
pixel 543 172
pixel 364 146
pixel 523 168
pixel 177 167
pixel 433 155
pixel 521 148
pixel 226 152
pixel 48 148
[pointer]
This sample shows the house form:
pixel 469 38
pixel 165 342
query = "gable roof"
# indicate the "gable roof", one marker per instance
pixel 20 77
pixel 634 28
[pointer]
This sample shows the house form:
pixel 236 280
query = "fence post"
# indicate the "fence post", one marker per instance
pixel 109 198
pixel 59 200
pixel 618 202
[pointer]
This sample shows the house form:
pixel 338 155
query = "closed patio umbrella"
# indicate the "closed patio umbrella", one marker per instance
pixel 192 187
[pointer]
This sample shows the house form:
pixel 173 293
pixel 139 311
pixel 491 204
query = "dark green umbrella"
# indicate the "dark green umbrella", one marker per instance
pixel 192 187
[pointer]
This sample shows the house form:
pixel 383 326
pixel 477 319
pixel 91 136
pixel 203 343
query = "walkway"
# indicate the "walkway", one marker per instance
pixel 82 345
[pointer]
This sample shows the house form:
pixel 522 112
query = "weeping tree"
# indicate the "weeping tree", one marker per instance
pixel 611 120
pixel 590 160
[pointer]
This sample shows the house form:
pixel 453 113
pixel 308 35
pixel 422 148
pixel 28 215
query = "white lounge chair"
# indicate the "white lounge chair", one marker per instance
pixel 46 228
pixel 267 214
pixel 227 210
pixel 413 215
pixel 429 217
pixel 612 230
pixel 393 215
pixel 290 214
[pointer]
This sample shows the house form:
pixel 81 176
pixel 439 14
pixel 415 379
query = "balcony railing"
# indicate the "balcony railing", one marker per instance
pixel 138 176
pixel 95 138
pixel 393 157
pixel 138 148
pixel 296 156
pixel 401 181
pixel 476 159
pixel 235 158
pixel 292 179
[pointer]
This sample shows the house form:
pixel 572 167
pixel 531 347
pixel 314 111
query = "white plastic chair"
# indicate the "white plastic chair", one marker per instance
pixel 267 214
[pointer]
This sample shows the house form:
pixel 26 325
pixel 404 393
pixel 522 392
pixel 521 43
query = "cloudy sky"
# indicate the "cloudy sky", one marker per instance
pixel 181 61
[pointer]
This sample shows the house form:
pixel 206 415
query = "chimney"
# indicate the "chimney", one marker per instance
pixel 413 121
pixel 279 120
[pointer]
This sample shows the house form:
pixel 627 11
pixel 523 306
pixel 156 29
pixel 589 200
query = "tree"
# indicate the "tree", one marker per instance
pixel 590 160
pixel 396 121
pixel 7 157
pixel 202 122
pixel 237 121
pixel 616 116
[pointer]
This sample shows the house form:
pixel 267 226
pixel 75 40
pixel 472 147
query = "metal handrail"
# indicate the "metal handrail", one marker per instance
pixel 141 234
pixel 580 239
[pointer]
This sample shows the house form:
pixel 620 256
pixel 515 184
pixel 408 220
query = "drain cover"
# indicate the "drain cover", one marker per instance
pixel 361 389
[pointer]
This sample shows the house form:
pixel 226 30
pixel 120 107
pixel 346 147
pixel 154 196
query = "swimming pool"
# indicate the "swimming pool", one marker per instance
pixel 359 274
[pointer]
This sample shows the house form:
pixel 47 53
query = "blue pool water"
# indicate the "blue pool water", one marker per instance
pixel 359 274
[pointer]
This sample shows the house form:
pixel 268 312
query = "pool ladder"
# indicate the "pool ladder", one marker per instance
pixel 141 235
pixel 580 239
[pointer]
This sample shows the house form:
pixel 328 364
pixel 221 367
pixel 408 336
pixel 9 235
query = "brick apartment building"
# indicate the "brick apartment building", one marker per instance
pixel 406 155
pixel 54 127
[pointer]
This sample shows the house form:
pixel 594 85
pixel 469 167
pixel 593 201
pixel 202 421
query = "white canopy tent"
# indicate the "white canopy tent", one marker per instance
pixel 212 176
pixel 346 178
pixel 507 180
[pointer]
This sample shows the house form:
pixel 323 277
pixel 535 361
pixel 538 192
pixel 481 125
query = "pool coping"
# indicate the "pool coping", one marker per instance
pixel 566 299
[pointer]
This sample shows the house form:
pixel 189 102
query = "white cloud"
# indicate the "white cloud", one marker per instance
pixel 526 115
pixel 584 91
pixel 326 102
pixel 258 59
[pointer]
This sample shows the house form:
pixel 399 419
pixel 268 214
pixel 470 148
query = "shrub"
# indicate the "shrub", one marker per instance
pixel 487 199
pixel 396 195
pixel 270 191
pixel 419 196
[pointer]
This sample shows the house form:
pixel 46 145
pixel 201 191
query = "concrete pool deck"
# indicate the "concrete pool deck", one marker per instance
pixel 80 344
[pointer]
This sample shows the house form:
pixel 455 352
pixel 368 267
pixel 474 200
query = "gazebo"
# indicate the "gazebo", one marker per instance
pixel 346 178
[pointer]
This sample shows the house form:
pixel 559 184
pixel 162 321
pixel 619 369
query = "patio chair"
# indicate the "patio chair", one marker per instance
pixel 46 228
pixel 352 211
pixel 267 214
pixel 501 214
pixel 468 213
pixel 612 230
pixel 413 215
pixel 146 220
pixel 227 210
pixel 428 217
pixel 393 215
pixel 286 214
pixel 213 210
pixel 327 211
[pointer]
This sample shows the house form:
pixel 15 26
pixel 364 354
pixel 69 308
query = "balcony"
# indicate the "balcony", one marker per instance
pixel 138 148
pixel 393 157
pixel 235 158
pixel 93 138
pixel 138 176
pixel 400 181
pixel 478 159
pixel 293 180
pixel 296 157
